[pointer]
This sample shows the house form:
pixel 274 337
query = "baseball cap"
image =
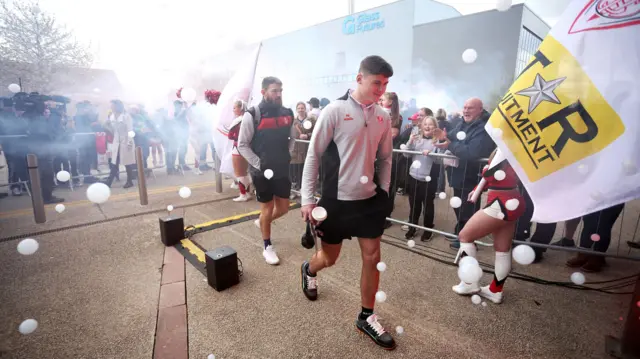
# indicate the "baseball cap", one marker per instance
pixel 414 116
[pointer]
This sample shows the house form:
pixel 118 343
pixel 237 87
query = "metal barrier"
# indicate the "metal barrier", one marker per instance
pixel 453 237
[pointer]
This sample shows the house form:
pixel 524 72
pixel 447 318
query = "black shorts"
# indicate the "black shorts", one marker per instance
pixel 346 219
pixel 267 188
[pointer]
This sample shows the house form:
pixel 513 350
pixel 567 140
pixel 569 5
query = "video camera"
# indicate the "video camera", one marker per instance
pixel 33 104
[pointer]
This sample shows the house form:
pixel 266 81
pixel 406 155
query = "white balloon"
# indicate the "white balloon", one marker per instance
pixel 503 5
pixel 475 299
pixel 416 164
pixel 469 56
pixel 381 266
pixel 512 204
pixel 14 88
pixel 578 278
pixel 28 326
pixel 188 94
pixel 60 207
pixel 307 125
pixel 524 254
pixel 131 134
pixel 268 174
pixel 470 274
pixel 442 195
pixel 499 175
pixel 364 179
pixel 63 176
pixel 461 135
pixel 484 304
pixel 468 261
pixel 399 330
pixel 98 193
pixel 428 179
pixel 28 246
pixel 319 214
pixel 169 208
pixel 455 202
pixel 184 192
pixel 381 297
pixel 411 243
pixel 403 147
pixel 497 132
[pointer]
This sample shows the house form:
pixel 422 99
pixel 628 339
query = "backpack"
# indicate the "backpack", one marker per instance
pixel 234 132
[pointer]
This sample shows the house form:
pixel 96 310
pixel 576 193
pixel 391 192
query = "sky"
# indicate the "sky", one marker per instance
pixel 141 38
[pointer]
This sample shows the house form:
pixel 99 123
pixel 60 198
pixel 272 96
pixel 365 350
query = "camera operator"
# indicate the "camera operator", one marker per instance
pixel 15 148
pixel 41 142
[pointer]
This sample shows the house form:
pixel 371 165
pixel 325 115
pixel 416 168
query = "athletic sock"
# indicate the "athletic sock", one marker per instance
pixel 502 269
pixel 267 243
pixel 366 313
pixel 468 249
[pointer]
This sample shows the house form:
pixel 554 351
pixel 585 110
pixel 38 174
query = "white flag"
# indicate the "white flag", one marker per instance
pixel 238 88
pixel 570 123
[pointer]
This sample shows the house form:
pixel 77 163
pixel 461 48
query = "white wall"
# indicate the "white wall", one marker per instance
pixel 321 61
pixel 428 10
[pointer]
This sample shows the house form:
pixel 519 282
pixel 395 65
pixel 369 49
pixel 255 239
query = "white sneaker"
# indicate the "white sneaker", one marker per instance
pixel 466 289
pixel 257 223
pixel 197 171
pixel 487 294
pixel 404 227
pixel 270 256
pixel 241 198
pixel 234 185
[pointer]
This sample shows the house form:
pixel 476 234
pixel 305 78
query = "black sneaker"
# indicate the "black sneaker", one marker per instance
pixel 53 199
pixel 410 233
pixel 309 283
pixel 376 332
pixel 426 236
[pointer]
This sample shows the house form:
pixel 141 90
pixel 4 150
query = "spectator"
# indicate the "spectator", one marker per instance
pixel 474 145
pixel 423 178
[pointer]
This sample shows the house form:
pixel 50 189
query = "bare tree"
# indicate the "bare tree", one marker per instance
pixel 33 45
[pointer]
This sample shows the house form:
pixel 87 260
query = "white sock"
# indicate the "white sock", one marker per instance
pixel 468 249
pixel 502 269
pixel 502 265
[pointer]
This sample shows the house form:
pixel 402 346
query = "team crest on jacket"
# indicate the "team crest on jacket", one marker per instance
pixel 348 117
pixel 606 14
pixel 380 119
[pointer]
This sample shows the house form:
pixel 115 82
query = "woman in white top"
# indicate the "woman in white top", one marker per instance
pixel 122 150
pixel 424 172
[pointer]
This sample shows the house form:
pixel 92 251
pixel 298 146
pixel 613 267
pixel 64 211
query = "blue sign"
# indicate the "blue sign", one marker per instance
pixel 362 23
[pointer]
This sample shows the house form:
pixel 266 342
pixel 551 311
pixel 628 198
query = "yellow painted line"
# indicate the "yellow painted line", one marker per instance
pixel 26 211
pixel 232 218
pixel 193 249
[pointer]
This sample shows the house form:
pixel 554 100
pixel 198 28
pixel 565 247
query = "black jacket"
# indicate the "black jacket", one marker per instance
pixel 476 145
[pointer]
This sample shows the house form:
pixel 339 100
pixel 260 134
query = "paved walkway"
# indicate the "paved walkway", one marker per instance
pixel 112 290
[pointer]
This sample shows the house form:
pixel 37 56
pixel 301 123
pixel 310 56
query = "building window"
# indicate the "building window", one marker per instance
pixel 529 43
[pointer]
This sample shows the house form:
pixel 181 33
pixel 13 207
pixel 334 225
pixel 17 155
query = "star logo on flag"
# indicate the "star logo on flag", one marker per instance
pixel 541 90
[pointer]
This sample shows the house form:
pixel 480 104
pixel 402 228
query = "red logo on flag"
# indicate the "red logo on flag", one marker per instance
pixel 606 14
pixel 348 118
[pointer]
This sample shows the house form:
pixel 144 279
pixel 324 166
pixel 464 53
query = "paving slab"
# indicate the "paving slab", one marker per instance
pixel 94 292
